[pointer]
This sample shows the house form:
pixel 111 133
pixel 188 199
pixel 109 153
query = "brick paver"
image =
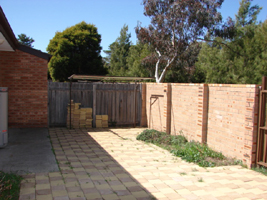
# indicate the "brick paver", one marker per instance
pixel 112 164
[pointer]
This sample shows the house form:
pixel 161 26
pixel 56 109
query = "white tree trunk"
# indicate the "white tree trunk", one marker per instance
pixel 163 73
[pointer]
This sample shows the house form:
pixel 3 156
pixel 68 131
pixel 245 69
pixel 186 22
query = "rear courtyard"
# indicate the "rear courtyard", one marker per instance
pixel 112 164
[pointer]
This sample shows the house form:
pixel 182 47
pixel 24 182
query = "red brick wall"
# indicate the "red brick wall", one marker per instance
pixel 232 120
pixel 186 111
pixel 25 75
pixel 156 107
pixel 223 116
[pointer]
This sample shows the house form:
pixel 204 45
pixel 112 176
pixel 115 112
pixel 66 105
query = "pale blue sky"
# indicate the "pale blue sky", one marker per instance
pixel 40 19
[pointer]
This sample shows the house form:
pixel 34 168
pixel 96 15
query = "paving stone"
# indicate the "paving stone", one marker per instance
pixel 61 198
pixel 99 164
pixel 59 193
pixel 27 196
pixel 110 196
pixel 25 191
pixel 75 194
pixel 44 197
pixel 43 192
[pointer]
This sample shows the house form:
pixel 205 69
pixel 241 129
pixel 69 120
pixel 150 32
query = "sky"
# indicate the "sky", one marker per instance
pixel 41 19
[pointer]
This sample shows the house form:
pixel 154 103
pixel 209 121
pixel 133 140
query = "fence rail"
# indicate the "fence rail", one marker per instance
pixel 121 102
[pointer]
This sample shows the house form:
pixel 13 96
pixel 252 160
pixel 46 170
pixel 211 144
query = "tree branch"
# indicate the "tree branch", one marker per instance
pixel 166 68
pixel 222 44
pixel 157 66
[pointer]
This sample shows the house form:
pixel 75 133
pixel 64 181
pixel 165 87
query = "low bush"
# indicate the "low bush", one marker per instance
pixel 157 137
pixel 178 145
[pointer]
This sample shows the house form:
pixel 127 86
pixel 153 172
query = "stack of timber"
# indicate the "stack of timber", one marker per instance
pixel 101 121
pixel 80 117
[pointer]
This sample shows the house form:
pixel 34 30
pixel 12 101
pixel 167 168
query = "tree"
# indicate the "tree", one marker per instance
pixel 183 69
pixel 175 25
pixel 136 66
pixel 240 59
pixel 76 50
pixel 25 40
pixel 118 52
pixel 247 14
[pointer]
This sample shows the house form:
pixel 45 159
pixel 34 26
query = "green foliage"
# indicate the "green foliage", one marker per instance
pixel 189 151
pixel 247 14
pixel 241 59
pixel 76 50
pixel 135 65
pixel 9 186
pixel 118 53
pixel 183 69
pixel 197 153
pixel 156 137
pixel 262 170
pixel 25 40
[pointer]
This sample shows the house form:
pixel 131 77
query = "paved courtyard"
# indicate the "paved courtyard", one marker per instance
pixel 111 164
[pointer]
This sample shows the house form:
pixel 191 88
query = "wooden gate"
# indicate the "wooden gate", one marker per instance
pixel 262 131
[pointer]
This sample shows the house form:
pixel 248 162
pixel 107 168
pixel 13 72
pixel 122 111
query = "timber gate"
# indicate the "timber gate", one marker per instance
pixel 262 130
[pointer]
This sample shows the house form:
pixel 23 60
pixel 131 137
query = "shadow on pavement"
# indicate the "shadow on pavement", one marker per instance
pixel 28 151
pixel 83 160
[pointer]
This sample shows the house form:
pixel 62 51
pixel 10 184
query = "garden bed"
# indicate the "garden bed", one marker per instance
pixel 191 151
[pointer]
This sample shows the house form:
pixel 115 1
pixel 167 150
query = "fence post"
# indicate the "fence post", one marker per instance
pixel 169 105
pixel 143 111
pixel 202 106
pixel 205 113
pixel 94 105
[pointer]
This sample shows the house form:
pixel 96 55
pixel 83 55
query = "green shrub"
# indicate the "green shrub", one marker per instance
pixel 189 151
pixel 157 137
pixel 9 186
pixel 197 153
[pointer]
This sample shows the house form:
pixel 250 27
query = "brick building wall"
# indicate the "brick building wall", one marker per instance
pixel 25 75
pixel 223 116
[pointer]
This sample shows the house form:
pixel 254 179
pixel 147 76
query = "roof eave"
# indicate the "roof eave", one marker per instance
pixel 34 52
pixel 7 31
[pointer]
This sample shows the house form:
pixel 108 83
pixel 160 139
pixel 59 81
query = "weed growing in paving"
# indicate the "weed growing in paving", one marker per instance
pixel 200 179
pixel 262 170
pixel 178 145
pixel 9 186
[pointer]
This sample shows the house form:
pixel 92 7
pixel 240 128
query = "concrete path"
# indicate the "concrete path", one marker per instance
pixel 111 164
pixel 28 151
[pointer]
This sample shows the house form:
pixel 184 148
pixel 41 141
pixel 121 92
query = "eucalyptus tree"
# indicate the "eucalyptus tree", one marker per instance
pixel 176 25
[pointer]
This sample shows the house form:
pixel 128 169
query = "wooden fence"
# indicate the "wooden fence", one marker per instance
pixel 121 102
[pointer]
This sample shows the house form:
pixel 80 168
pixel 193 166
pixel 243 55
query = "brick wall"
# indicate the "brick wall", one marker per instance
pixel 223 116
pixel 187 110
pixel 156 105
pixel 25 75
pixel 232 120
